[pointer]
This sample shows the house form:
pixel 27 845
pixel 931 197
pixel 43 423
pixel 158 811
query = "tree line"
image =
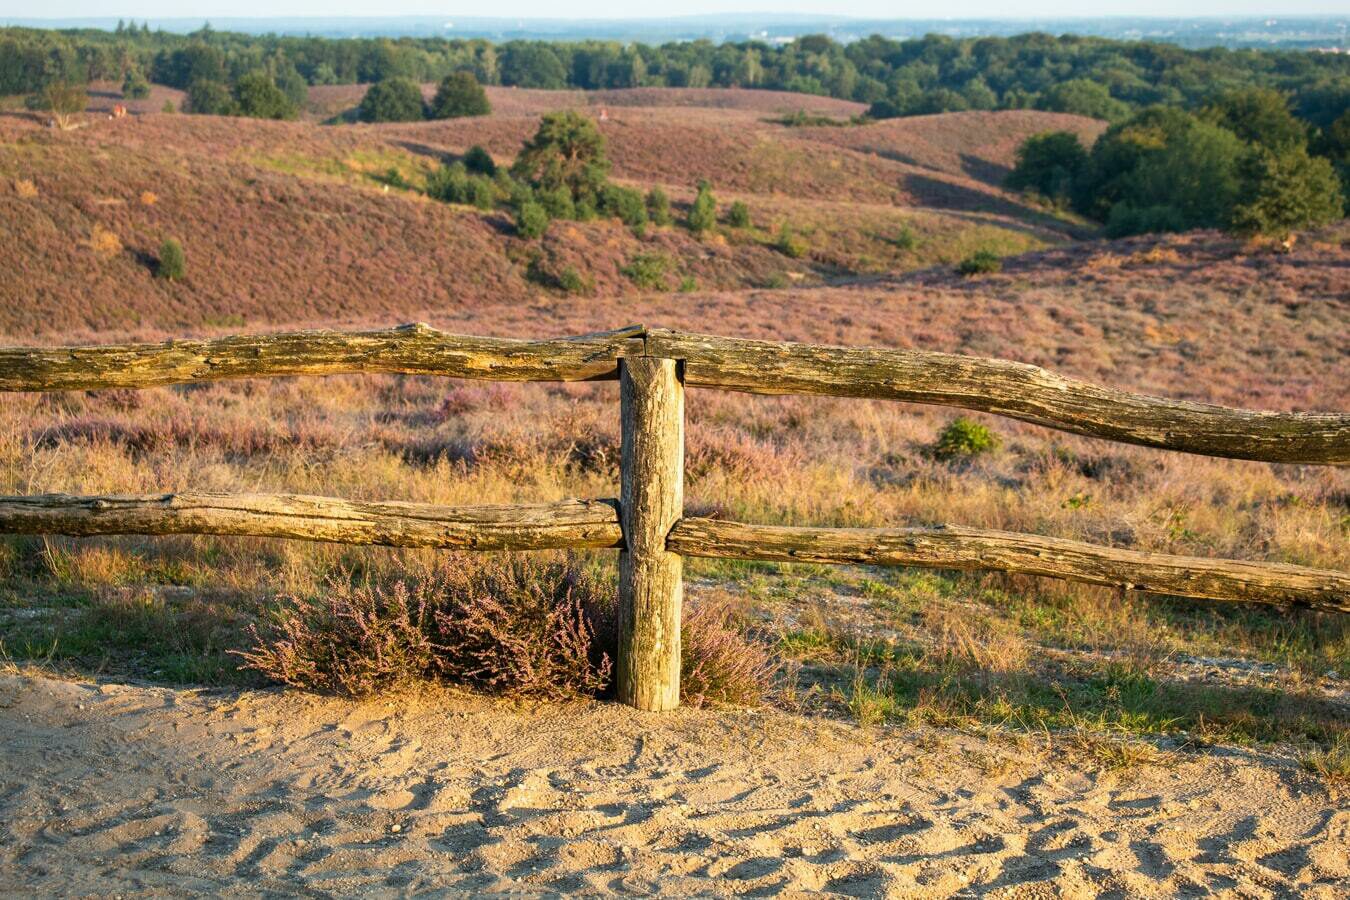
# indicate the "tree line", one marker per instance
pixel 1098 77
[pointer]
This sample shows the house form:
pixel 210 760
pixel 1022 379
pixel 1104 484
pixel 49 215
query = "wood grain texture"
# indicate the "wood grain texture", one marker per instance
pixel 953 547
pixel 1006 388
pixel 568 524
pixel 651 500
pixel 409 349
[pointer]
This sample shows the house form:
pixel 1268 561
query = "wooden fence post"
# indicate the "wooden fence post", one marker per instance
pixel 651 579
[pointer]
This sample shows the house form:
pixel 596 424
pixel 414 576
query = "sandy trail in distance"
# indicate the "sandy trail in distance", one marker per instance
pixel 113 789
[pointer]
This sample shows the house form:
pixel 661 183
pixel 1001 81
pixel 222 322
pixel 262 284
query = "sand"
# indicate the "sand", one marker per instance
pixel 113 789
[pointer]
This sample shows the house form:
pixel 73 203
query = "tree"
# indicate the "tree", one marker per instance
pixel 257 95
pixel 1258 116
pixel 738 216
pixel 1085 98
pixel 480 161
pixel 1048 163
pixel 392 100
pixel 210 98
pixel 703 213
pixel 459 95
pixel 1120 151
pixel 568 150
pixel 64 101
pixel 172 262
pixel 1285 190
pixel 134 86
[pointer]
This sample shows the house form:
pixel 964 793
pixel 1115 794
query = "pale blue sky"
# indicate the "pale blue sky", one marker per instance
pixel 627 9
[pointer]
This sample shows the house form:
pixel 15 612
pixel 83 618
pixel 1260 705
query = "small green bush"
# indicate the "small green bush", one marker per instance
pixel 738 216
pixel 392 100
pixel 905 239
pixel 134 86
pixel 703 213
pixel 573 282
pixel 459 95
pixel 688 284
pixel 479 161
pixel 531 220
pixel 789 243
pixel 626 205
pixel 557 202
pixel 172 261
pixel 979 263
pixel 963 439
pixel 658 207
pixel 648 270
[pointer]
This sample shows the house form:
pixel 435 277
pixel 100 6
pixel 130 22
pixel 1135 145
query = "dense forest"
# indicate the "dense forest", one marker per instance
pixel 1092 76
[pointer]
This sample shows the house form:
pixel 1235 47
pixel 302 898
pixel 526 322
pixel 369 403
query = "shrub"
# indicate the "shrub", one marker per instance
pixel 531 220
pixel 64 101
pixel 963 439
pixel 626 205
pixel 658 207
pixel 738 216
pixel 480 161
pixel 703 213
pixel 557 202
pixel 980 262
pixel 459 95
pixel 392 100
pixel 533 625
pixel 905 239
pixel 256 95
pixel 209 98
pixel 172 261
pixel 648 270
pixel 1048 163
pixel 789 243
pixel 573 282
pixel 134 86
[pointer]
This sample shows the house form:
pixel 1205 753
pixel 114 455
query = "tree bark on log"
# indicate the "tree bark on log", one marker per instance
pixel 568 524
pixel 1006 388
pixel 409 349
pixel 953 547
pixel 651 578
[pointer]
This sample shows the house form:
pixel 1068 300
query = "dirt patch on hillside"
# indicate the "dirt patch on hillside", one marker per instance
pixel 124 789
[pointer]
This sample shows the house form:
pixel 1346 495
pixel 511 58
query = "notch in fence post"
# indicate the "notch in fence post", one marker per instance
pixel 651 500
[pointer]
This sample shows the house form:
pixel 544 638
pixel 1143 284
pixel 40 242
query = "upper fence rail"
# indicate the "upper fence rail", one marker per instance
pixel 1016 390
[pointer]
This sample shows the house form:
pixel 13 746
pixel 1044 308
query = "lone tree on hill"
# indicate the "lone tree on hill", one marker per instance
pixel 458 96
pixel 392 100
pixel 567 151
pixel 703 214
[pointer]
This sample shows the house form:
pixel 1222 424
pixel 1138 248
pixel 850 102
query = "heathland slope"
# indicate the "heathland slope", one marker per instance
pixel 286 222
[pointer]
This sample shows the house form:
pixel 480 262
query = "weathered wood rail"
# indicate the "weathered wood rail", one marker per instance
pixel 646 523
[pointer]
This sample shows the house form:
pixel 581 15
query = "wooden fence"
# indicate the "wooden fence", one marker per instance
pixel 646 522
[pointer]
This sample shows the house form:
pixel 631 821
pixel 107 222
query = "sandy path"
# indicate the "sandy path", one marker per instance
pixel 113 789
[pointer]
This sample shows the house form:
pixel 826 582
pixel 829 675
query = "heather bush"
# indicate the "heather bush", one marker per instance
pixel 979 263
pixel 963 439
pixel 533 625
pixel 172 261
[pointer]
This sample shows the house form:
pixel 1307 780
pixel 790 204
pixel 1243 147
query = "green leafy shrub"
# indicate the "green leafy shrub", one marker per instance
pixel 172 265
pixel 459 95
pixel 531 220
pixel 658 207
pixel 257 96
pixel 789 243
pixel 905 238
pixel 626 205
pixel 209 98
pixel 480 162
pixel 1048 163
pixel 964 439
pixel 1285 190
pixel 738 216
pixel 392 100
pixel 557 202
pixel 134 86
pixel 703 212
pixel 649 270
pixel 980 262
pixel 573 282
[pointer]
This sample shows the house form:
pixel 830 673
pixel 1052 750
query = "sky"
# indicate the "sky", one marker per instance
pixel 883 9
